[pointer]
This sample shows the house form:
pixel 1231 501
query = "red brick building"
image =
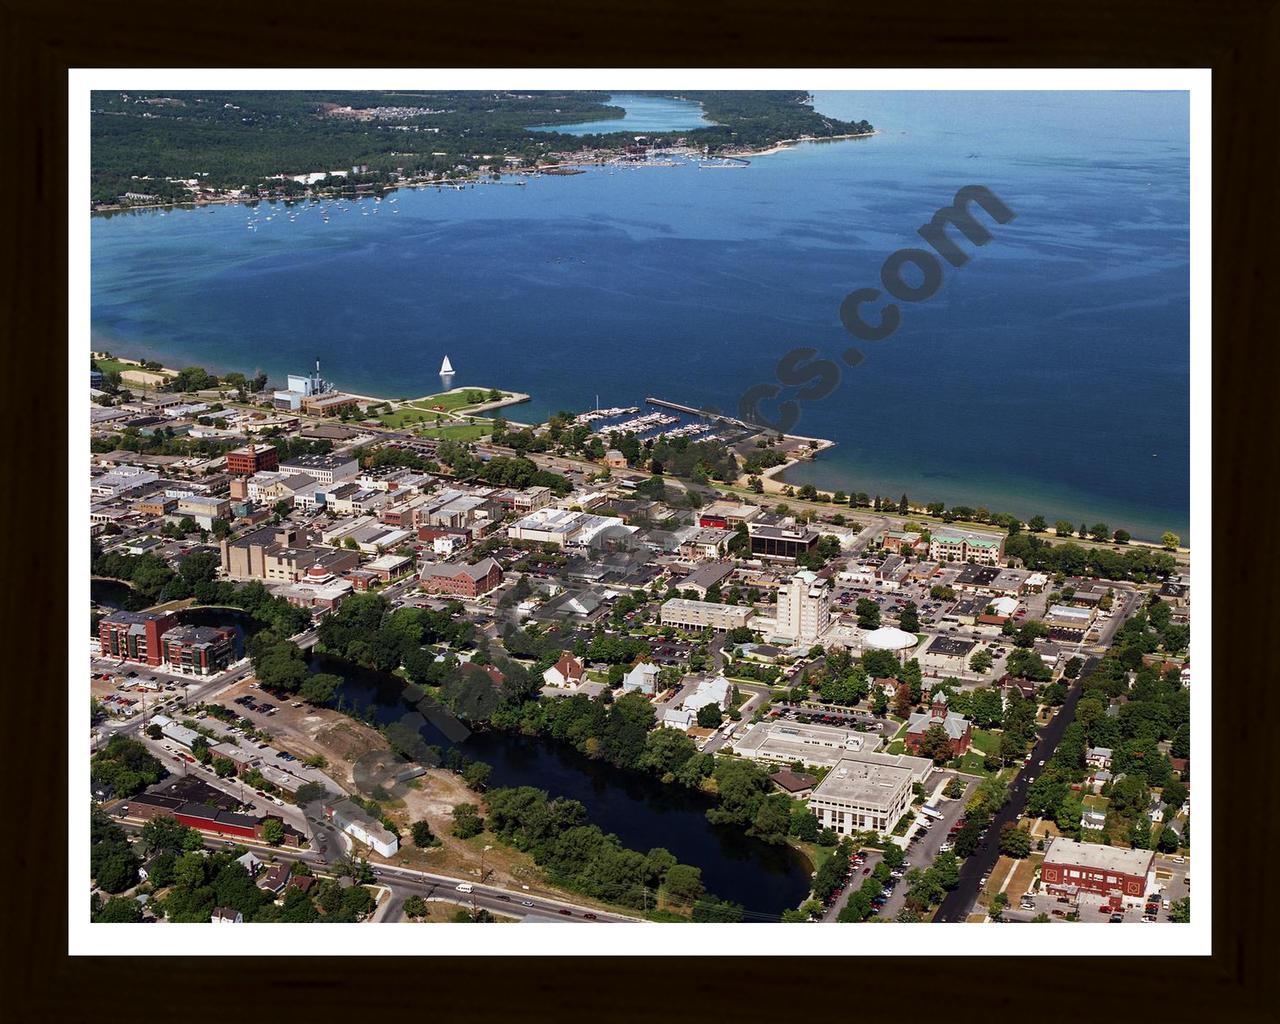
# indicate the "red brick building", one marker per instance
pixel 462 580
pixel 200 649
pixel 959 729
pixel 135 636
pixel 252 459
pixel 1102 875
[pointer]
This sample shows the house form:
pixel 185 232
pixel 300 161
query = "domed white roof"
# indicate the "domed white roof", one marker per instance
pixel 887 638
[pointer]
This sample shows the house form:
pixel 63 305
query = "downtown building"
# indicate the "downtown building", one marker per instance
pixel 864 795
pixel 948 544
pixel 200 650
pixel 460 579
pixel 1092 874
pixel 135 636
pixel 686 614
pixel 781 541
pixel 252 459
pixel 804 608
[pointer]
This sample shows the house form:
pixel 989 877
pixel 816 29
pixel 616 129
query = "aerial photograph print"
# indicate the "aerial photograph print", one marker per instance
pixel 636 506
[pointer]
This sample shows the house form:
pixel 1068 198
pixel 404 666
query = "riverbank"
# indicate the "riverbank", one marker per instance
pixel 345 741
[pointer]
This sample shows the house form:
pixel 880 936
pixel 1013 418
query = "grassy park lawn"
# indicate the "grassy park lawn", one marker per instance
pixel 816 855
pixel 406 416
pixel 115 365
pixel 459 431
pixel 985 741
pixel 452 401
pixel 971 763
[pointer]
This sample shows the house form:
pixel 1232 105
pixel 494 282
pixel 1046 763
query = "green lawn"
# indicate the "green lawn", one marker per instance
pixel 896 747
pixel 453 401
pixel 405 417
pixel 424 410
pixel 985 740
pixel 459 431
pixel 971 763
pixel 818 855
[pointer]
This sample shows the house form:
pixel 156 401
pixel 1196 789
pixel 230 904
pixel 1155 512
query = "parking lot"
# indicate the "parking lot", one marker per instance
pixel 926 837
pixel 830 715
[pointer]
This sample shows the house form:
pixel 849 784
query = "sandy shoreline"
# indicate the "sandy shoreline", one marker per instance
pixel 785 144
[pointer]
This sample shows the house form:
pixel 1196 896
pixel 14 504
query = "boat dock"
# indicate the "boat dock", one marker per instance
pixel 706 414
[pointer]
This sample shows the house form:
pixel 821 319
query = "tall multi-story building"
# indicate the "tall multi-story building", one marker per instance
pixel 135 636
pixel 804 607
pixel 252 459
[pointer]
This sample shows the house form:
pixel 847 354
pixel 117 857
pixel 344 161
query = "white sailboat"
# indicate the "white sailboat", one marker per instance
pixel 446 367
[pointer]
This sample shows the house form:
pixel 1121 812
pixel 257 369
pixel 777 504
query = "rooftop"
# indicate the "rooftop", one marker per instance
pixel 1095 855
pixel 863 782
pixel 950 646
pixel 887 638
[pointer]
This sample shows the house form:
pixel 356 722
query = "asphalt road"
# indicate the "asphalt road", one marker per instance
pixel 958 902
pixel 406 881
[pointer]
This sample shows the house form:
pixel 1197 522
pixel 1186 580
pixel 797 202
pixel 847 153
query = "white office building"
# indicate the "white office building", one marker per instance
pixel 862 796
pixel 804 607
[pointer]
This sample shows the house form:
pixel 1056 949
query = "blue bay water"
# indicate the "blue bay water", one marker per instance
pixel 643 114
pixel 1050 374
